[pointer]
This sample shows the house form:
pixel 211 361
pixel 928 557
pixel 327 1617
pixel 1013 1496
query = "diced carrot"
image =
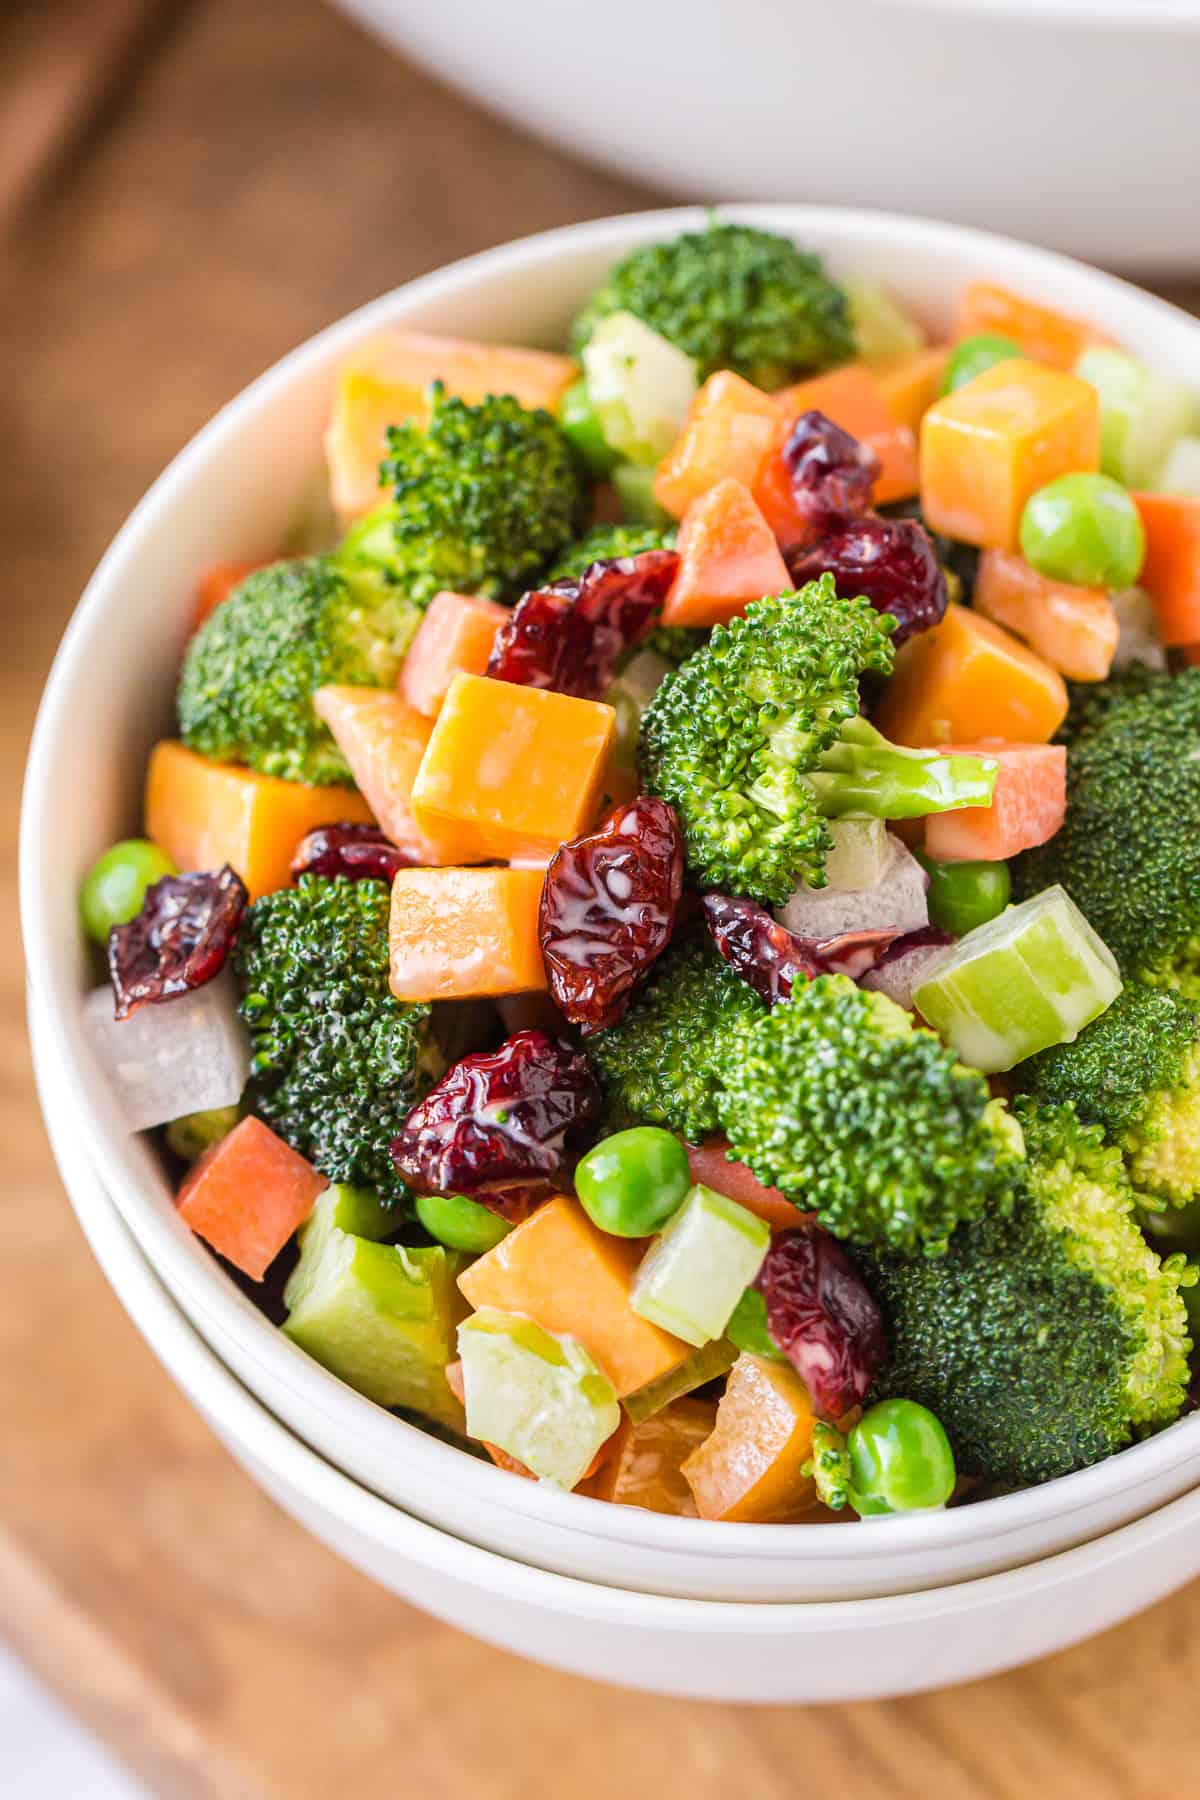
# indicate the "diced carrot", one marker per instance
pixel 383 739
pixel 465 934
pixel 454 638
pixel 567 1276
pixel 728 431
pixel 968 679
pixel 750 1468
pixel 728 557
pixel 852 398
pixel 206 813
pixel 1043 333
pixel 1171 571
pixel 1074 628
pixel 216 584
pixel 646 1466
pixel 910 382
pixel 248 1195
pixel 1028 806
pixel 522 768
pixel 989 445
pixel 710 1165
pixel 386 381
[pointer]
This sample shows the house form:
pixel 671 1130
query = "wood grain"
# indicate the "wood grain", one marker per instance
pixel 269 169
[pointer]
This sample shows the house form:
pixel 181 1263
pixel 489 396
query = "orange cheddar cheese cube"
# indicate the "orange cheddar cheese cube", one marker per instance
pixel 567 1276
pixel 730 427
pixel 386 381
pixel 1074 628
pixel 1028 806
pixel 1044 334
pixel 247 1195
pixel 968 679
pixel 750 1468
pixel 454 638
pixel 989 445
pixel 910 382
pixel 522 768
pixel 852 398
pixel 206 813
pixel 645 1465
pixel 463 934
pixel 383 740
pixel 728 557
pixel 1171 570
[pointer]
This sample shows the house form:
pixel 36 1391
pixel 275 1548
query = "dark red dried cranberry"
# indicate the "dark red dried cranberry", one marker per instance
pixel 927 937
pixel 179 940
pixel 608 909
pixel 499 1119
pixel 360 852
pixel 832 473
pixel 823 1318
pixel 571 635
pixel 854 953
pixel 773 959
pixel 891 561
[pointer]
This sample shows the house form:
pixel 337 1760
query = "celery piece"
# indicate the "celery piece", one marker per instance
pixel 1181 471
pixel 629 696
pixel 539 1396
pixel 1032 977
pixel 699 1265
pixel 357 1211
pixel 706 1363
pixel 634 484
pixel 881 327
pixel 861 852
pixel 640 386
pixel 1142 414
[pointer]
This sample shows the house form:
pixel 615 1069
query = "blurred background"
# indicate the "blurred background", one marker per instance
pixel 187 189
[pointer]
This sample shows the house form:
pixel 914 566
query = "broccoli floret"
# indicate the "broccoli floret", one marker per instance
pixel 337 1061
pixel 756 741
pixel 245 693
pixel 664 1062
pixel 829 1465
pixel 1135 1072
pixel 484 496
pixel 1129 851
pixel 1046 1339
pixel 604 542
pixel 732 298
pixel 836 1098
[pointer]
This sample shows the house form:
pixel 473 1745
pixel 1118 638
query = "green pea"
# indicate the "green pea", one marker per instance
pixel 1084 529
pixel 900 1460
pixel 461 1224
pixel 966 894
pixel 631 1183
pixel 580 424
pixel 115 885
pixel 975 354
pixel 747 1329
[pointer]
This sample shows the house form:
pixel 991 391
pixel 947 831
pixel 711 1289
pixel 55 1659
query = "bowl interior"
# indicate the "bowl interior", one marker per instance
pixel 236 490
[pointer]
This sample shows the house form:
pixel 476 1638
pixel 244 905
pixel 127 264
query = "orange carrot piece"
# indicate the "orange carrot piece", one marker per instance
pixel 1043 333
pixel 248 1195
pixel 750 1468
pixel 1171 571
pixel 455 637
pixel 1028 806
pixel 910 382
pixel 968 679
pixel 216 584
pixel 1074 628
pixel 728 557
pixel 730 427
pixel 852 398
pixel 710 1165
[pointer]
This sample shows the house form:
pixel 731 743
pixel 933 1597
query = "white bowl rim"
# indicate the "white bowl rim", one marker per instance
pixel 1180 16
pixel 95 1116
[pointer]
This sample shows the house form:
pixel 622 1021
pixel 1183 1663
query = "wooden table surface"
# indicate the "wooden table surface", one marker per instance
pixel 254 172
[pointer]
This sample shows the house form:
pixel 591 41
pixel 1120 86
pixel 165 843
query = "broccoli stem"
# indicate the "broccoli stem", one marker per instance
pixel 864 773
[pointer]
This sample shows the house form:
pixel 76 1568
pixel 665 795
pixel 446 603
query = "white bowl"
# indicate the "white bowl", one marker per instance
pixel 706 1650
pixel 1072 122
pixel 233 491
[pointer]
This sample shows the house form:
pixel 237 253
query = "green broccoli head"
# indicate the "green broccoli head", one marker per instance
pixel 605 542
pixel 1047 1338
pixel 664 1063
pixel 1135 1072
pixel 250 672
pixel 756 741
pixel 732 298
pixel 1129 851
pixel 836 1098
pixel 337 1061
pixel 484 496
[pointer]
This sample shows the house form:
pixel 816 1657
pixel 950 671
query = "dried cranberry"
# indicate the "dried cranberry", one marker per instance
pixel 854 953
pixel 927 937
pixel 571 635
pixel 608 909
pixel 499 1119
pixel 179 940
pixel 360 852
pixel 823 1318
pixel 891 561
pixel 832 473
pixel 772 958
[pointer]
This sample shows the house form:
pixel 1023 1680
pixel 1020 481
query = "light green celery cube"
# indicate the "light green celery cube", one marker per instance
pixel 539 1396
pixel 640 387
pixel 704 1364
pixel 881 326
pixel 695 1272
pixel 358 1211
pixel 860 854
pixel 1142 414
pixel 382 1318
pixel 1032 977
pixel 1181 471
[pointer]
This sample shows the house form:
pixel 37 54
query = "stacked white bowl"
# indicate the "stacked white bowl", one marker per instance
pixel 814 1613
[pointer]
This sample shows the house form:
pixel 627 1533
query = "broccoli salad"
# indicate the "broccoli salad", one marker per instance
pixel 666 949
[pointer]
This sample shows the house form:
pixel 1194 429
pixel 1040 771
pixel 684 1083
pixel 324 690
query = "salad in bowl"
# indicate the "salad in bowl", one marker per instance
pixel 666 945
